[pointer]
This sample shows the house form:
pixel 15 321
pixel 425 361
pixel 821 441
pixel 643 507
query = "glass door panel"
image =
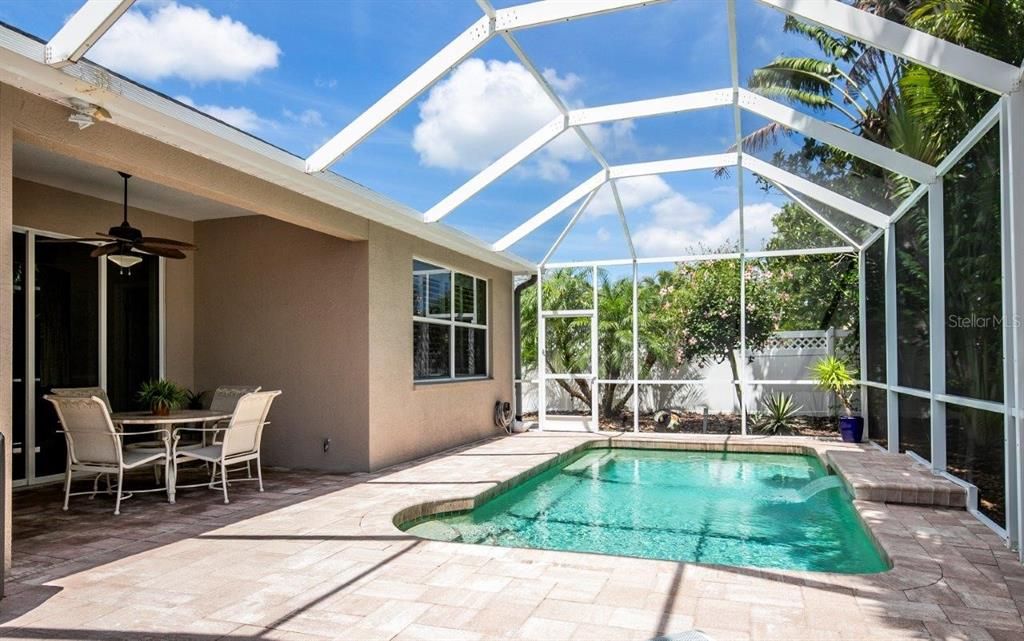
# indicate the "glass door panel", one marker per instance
pixel 132 330
pixel 66 341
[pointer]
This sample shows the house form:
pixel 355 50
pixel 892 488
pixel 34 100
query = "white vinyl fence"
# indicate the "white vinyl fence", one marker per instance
pixel 787 357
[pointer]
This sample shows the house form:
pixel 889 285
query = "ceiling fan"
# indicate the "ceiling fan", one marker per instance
pixel 126 242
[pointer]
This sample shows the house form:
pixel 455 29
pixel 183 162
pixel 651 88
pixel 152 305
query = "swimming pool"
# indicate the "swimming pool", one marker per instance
pixel 760 510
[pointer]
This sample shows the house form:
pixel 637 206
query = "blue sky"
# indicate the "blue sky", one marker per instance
pixel 296 72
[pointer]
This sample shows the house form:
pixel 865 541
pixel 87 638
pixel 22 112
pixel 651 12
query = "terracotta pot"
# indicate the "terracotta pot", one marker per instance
pixel 161 410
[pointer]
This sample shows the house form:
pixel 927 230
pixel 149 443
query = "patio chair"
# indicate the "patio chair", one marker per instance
pixel 240 440
pixel 94 445
pixel 84 392
pixel 225 398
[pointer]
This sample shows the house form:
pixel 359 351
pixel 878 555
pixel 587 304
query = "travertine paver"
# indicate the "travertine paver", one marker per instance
pixel 874 475
pixel 317 556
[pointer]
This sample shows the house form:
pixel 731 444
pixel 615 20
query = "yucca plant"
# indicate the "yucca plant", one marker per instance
pixel 161 396
pixel 832 375
pixel 780 411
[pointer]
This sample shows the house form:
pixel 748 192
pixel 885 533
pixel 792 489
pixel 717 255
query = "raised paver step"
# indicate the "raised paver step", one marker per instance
pixel 894 478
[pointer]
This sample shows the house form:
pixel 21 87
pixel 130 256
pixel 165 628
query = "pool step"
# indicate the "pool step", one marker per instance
pixel 874 475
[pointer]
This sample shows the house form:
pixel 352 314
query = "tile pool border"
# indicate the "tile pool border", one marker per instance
pixel 866 511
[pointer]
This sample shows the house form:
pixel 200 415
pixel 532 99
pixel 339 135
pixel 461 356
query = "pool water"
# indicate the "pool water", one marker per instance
pixel 711 507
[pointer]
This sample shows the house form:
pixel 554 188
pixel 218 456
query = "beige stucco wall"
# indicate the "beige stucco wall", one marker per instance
pixel 311 309
pixel 6 313
pixel 285 307
pixel 46 208
pixel 408 420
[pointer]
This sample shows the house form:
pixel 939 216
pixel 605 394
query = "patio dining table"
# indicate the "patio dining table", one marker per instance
pixel 176 417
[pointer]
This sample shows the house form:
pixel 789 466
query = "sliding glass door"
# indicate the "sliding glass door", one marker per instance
pixel 67 294
pixel 62 299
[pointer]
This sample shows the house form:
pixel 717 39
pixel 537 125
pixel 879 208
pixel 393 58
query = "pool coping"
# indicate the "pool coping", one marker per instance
pixel 907 569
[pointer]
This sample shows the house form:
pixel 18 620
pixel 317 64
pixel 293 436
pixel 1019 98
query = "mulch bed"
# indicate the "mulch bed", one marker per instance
pixel 723 423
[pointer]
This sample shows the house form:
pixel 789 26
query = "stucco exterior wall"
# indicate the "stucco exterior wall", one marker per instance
pixel 46 208
pixel 285 307
pixel 409 420
pixel 6 311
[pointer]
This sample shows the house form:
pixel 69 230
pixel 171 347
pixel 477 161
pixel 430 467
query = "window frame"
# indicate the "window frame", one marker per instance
pixel 451 322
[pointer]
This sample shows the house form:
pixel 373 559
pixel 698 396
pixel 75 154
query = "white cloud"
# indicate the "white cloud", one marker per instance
pixel 603 235
pixel 680 225
pixel 635 194
pixel 241 117
pixel 184 42
pixel 484 108
pixel 307 117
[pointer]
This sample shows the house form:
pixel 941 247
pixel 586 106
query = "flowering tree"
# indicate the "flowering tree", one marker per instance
pixel 701 302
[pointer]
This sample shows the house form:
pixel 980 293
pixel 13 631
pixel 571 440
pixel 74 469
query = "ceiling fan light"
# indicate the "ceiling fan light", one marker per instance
pixel 124 261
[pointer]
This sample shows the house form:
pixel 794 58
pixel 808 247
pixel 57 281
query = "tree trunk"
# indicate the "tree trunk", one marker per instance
pixel 736 377
pixel 837 298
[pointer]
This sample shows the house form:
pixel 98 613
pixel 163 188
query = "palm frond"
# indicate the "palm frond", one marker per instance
pixel 838 48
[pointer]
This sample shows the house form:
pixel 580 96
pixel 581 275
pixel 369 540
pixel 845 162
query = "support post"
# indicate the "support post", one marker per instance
pixel 1012 145
pixel 891 378
pixel 542 368
pixel 6 317
pixel 595 409
pixel 636 354
pixel 937 323
pixel 862 343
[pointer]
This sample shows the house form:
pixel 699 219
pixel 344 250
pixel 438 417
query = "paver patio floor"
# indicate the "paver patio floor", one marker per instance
pixel 316 556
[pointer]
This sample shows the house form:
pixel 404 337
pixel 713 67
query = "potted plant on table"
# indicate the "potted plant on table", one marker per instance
pixel 833 375
pixel 162 396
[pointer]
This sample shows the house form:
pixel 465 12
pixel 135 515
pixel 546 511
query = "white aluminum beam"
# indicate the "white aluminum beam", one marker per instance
pixel 511 18
pixel 496 170
pixel 815 191
pixel 676 165
pixel 83 29
pixel 936 323
pixel 622 219
pixel 536 14
pixel 821 219
pixel 673 165
pixel 1012 146
pixel 807 125
pixel 568 228
pixel 575 118
pixel 652 107
pixel 837 137
pixel 892 414
pixel 401 95
pixel 976 133
pixel 552 210
pixel 924 49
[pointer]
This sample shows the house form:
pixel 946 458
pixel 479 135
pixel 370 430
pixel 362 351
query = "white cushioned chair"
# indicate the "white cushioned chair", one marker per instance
pixel 94 445
pixel 239 441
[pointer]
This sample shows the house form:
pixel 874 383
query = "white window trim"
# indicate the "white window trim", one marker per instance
pixel 452 323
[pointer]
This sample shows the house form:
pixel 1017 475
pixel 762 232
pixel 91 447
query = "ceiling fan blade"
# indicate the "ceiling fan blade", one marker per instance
pixel 105 235
pixel 67 240
pixel 156 250
pixel 167 242
pixel 103 250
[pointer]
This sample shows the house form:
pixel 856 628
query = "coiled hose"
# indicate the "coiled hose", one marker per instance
pixel 503 416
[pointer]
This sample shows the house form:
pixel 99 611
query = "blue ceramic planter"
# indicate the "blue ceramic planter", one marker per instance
pixel 851 428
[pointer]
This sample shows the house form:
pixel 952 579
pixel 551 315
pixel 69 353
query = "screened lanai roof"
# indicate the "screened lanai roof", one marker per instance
pixel 597 129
